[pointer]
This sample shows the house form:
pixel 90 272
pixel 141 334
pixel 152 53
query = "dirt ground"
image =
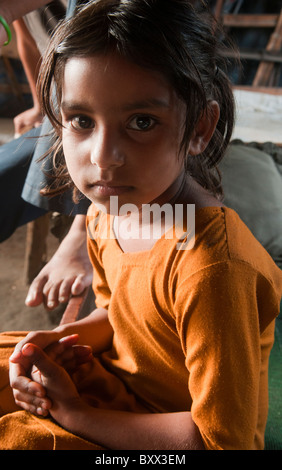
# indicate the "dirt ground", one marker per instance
pixel 13 289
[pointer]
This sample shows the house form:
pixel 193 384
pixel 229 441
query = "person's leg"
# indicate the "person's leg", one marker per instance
pixel 15 158
pixel 68 272
pixel 40 174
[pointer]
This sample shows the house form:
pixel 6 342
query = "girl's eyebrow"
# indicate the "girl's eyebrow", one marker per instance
pixel 73 106
pixel 144 104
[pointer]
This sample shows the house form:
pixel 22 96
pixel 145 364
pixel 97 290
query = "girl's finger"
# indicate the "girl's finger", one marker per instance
pixel 75 356
pixel 70 340
pixel 24 384
pixel 55 350
pixel 80 355
pixel 32 403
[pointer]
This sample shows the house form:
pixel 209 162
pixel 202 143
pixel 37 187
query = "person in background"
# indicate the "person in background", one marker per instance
pixel 31 59
pixel 22 176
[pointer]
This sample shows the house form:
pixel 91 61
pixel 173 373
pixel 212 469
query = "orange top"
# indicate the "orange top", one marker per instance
pixel 193 329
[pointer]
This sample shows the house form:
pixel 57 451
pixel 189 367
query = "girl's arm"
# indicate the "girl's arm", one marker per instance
pixel 94 330
pixel 132 431
pixel 108 428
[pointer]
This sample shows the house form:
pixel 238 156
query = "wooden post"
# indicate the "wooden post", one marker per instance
pixel 265 69
pixel 36 247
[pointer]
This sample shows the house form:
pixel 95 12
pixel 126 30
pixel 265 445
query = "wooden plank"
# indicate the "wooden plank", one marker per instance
pixel 6 88
pixel 218 8
pixel 73 309
pixel 79 306
pixel 250 21
pixel 259 55
pixel 260 89
pixel 265 69
pixel 12 78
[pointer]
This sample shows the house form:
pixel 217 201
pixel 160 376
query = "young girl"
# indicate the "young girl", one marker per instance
pixel 182 333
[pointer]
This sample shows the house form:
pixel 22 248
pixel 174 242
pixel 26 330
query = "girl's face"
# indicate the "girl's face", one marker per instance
pixel 123 126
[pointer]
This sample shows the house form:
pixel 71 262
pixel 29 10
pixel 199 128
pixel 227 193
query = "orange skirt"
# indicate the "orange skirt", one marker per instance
pixel 20 430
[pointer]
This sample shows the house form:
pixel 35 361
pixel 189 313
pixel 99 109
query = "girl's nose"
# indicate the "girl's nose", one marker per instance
pixel 106 150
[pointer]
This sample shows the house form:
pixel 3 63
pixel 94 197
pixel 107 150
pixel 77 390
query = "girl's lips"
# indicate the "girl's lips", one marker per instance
pixel 107 190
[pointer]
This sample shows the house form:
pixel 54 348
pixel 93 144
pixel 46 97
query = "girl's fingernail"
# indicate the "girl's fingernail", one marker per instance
pixel 72 337
pixel 41 412
pixel 28 349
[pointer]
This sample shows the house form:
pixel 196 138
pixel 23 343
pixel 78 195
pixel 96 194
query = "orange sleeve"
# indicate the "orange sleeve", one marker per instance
pixel 222 342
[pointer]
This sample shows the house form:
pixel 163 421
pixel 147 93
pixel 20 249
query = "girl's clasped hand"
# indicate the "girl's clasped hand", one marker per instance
pixel 33 371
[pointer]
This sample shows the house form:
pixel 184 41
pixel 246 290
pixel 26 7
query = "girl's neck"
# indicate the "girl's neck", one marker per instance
pixel 129 230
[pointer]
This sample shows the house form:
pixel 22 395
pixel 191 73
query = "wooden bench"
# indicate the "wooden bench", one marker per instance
pixel 79 306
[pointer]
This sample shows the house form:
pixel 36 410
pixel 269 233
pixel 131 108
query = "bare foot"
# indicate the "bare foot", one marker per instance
pixel 68 272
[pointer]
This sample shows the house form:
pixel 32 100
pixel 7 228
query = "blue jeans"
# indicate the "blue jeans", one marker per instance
pixel 22 177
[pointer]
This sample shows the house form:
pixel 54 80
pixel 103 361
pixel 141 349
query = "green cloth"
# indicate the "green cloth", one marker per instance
pixel 273 435
pixel 252 184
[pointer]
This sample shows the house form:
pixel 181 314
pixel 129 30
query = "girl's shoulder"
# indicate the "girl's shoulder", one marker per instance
pixel 221 237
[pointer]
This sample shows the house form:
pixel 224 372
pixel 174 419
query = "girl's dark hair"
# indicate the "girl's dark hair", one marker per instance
pixel 168 36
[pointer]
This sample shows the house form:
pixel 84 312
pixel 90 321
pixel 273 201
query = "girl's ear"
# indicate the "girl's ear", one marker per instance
pixel 204 129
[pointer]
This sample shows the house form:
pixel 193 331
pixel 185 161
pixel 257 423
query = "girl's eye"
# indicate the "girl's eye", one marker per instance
pixel 82 123
pixel 142 123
